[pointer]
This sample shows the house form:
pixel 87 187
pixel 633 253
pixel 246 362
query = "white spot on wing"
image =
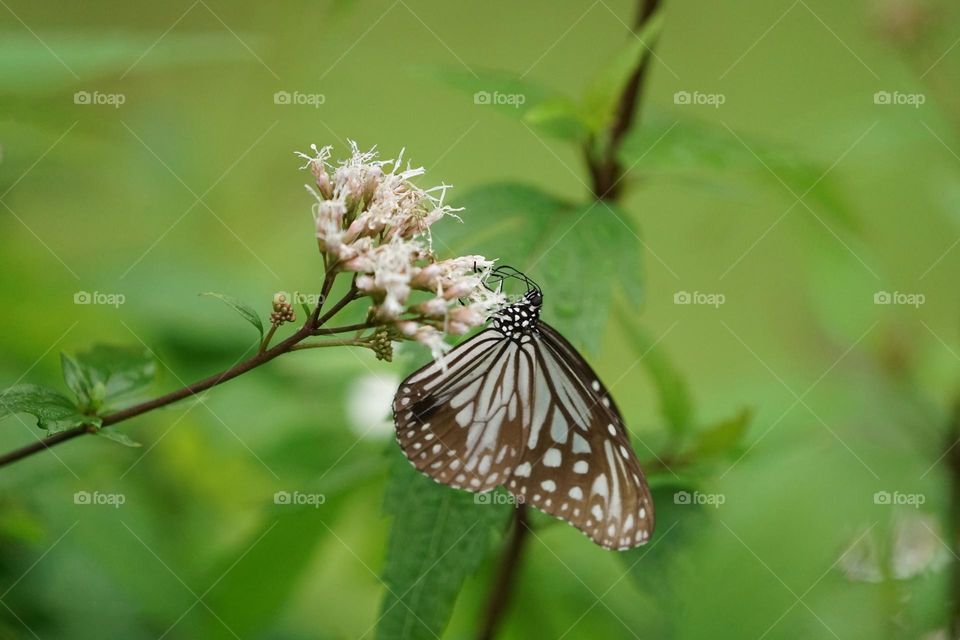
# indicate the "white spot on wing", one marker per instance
pixel 552 458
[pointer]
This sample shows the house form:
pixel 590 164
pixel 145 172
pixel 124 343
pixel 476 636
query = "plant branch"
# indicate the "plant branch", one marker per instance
pixel 360 326
pixel 263 356
pixel 318 320
pixel 952 458
pixel 502 587
pixel 606 172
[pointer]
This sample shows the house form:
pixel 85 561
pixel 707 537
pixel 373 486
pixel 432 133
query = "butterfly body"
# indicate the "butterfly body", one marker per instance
pixel 517 406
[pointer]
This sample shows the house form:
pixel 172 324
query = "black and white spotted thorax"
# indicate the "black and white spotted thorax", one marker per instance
pixel 521 317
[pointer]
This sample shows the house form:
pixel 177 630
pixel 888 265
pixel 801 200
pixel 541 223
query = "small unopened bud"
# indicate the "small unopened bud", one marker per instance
pixel 382 346
pixel 373 179
pixel 282 310
pixel 324 185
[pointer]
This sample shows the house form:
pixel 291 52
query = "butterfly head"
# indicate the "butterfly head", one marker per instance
pixel 519 317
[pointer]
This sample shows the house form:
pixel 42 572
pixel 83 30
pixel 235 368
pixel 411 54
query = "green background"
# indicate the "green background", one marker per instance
pixel 191 185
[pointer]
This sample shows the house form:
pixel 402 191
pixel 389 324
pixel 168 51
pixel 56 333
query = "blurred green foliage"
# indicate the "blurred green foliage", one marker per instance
pixel 797 400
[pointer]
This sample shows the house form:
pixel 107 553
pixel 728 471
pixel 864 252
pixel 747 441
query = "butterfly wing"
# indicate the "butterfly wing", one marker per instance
pixel 576 462
pixel 461 422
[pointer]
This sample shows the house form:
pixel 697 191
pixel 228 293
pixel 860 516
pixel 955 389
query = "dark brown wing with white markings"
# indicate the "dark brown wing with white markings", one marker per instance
pixel 460 421
pixel 576 461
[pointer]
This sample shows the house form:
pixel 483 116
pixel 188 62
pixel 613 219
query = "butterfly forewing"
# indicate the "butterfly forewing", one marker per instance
pixel 460 421
pixel 516 405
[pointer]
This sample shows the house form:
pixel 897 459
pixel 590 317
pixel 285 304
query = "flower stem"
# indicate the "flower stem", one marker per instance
pixel 267 338
pixel 346 329
pixel 262 357
pixel 343 342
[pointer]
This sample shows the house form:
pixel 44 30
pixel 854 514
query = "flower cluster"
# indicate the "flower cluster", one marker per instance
pixel 282 310
pixel 373 221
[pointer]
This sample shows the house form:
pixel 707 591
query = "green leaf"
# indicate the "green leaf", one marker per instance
pixel 547 110
pixel 53 410
pixel 722 438
pixel 77 380
pixel 27 65
pixel 683 144
pixel 673 394
pixel 662 563
pixel 555 243
pixel 603 95
pixel 245 310
pixel 280 548
pixel 119 437
pixel 559 117
pixel 106 373
pixel 484 83
pixel 439 537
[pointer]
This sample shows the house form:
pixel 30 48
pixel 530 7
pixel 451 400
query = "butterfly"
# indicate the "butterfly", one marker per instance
pixel 516 405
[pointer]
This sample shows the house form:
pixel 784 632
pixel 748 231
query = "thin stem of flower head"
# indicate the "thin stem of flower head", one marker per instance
pixel 360 326
pixel 266 339
pixel 328 279
pixel 343 342
pixel 350 296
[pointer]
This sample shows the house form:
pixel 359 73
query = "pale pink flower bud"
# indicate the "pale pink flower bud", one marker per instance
pixel 407 328
pixel 468 315
pixel 433 308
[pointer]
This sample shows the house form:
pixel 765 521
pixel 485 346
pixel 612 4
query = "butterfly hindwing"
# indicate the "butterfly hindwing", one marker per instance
pixel 460 421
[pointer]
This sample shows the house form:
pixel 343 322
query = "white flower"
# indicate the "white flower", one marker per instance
pixel 914 548
pixel 427 335
pixel 373 221
pixel 369 402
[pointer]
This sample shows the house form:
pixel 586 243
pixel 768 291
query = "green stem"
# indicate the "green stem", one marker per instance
pixel 605 169
pixel 344 342
pixel 266 339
